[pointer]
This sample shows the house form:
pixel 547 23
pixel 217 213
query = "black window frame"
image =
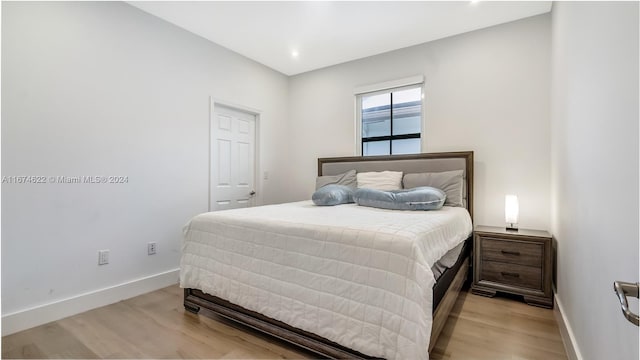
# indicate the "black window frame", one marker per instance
pixel 390 137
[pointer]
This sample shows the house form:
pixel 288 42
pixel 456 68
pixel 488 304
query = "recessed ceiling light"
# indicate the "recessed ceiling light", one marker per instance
pixel 294 53
pixel 475 1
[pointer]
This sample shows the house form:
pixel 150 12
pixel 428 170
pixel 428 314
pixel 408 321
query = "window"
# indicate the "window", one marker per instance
pixel 391 121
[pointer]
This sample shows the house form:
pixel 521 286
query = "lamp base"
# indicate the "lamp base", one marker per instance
pixel 512 227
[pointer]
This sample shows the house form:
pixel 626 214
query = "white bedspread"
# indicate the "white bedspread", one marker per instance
pixel 358 276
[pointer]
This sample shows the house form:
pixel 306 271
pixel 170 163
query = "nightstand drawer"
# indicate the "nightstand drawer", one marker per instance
pixel 512 252
pixel 512 274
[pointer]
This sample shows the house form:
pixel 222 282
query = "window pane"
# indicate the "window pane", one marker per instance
pixel 407 111
pixel 376 127
pixel 375 148
pixel 376 115
pixel 406 125
pixel 406 146
pixel 408 95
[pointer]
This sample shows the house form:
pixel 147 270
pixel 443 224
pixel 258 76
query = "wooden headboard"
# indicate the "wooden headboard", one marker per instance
pixel 416 163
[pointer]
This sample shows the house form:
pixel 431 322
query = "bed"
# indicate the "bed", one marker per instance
pixel 342 282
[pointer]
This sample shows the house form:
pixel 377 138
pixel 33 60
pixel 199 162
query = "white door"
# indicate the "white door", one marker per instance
pixel 232 158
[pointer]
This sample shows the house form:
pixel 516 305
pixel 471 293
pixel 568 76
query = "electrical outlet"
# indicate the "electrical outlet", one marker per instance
pixel 103 257
pixel 151 248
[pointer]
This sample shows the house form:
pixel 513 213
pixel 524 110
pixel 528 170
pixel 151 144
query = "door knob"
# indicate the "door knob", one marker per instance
pixel 252 193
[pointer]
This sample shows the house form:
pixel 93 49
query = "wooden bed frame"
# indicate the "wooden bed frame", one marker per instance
pixel 195 300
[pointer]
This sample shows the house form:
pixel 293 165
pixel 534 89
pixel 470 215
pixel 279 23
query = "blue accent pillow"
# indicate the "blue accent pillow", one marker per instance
pixel 333 194
pixel 420 198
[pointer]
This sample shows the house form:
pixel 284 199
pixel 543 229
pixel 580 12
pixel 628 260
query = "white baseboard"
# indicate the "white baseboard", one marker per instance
pixel 568 338
pixel 42 314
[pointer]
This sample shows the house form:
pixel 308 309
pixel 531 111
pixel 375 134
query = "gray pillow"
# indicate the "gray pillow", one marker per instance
pixel 421 198
pixel 333 194
pixel 451 182
pixel 347 179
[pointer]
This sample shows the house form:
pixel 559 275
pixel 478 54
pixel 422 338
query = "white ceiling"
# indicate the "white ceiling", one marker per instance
pixel 329 33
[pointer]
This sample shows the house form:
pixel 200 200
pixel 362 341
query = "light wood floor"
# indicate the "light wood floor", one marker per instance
pixel 155 325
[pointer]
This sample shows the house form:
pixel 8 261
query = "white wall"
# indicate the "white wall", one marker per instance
pixel 102 88
pixel 594 129
pixel 486 91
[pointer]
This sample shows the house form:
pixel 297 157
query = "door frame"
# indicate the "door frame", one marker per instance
pixel 257 180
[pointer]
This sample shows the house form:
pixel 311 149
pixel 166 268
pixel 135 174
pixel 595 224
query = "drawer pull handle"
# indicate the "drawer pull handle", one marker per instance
pixel 516 275
pixel 510 252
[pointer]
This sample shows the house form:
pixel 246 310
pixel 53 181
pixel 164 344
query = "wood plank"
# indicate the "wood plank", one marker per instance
pixel 155 325
pixel 46 341
pixel 498 328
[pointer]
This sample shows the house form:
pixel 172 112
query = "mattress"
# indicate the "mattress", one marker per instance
pixel 446 261
pixel 358 276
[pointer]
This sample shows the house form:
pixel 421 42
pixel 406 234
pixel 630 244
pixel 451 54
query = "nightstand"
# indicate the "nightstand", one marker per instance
pixel 514 262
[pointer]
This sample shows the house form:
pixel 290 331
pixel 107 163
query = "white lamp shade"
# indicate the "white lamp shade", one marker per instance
pixel 511 209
